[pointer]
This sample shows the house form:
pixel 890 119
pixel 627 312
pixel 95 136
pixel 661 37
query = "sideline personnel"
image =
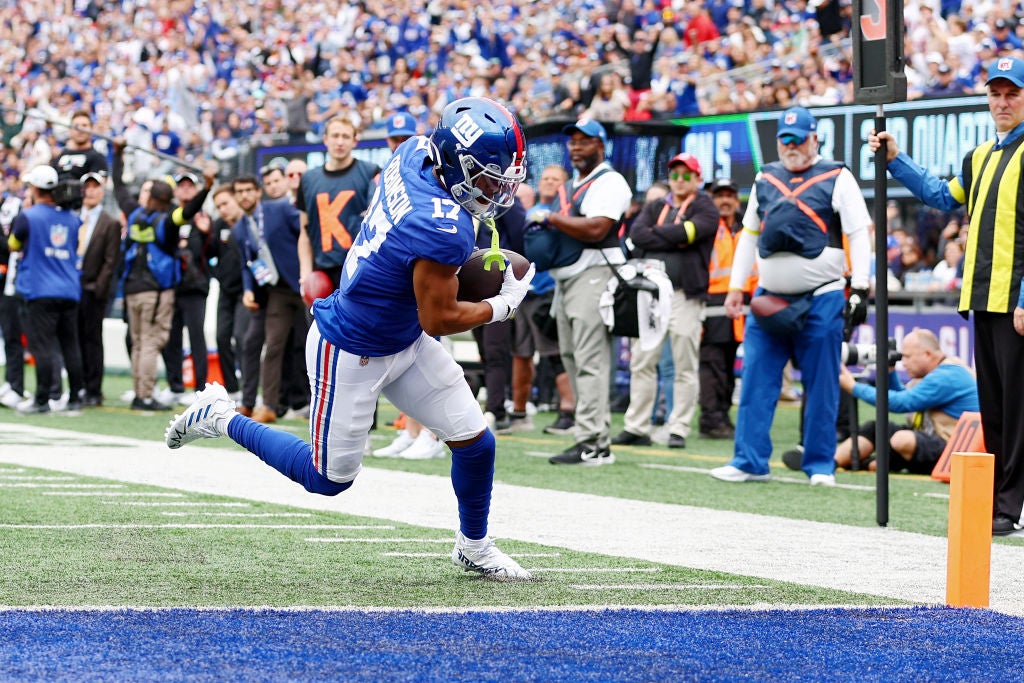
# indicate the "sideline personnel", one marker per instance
pixel 989 184
pixel 799 211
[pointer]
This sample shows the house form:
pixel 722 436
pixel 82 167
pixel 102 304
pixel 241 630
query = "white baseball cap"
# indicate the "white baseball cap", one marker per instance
pixel 43 177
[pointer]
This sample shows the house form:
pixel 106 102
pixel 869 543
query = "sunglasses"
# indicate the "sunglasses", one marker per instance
pixel 792 140
pixel 676 175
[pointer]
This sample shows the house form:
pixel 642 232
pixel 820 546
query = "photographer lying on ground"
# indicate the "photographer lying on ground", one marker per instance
pixel 939 391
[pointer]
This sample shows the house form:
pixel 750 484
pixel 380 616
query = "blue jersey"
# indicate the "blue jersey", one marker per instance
pixel 48 268
pixel 374 312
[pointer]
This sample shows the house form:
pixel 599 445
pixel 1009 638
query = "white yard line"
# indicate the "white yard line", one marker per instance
pixel 243 515
pixel 274 527
pixel 663 586
pixel 380 540
pixel 894 564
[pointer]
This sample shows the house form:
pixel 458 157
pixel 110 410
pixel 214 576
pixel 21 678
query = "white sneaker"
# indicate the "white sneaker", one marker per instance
pixel 425 447
pixel 517 424
pixel 823 480
pixel 168 397
pixel 401 442
pixel 128 396
pixel 206 418
pixel 9 397
pixel 484 557
pixel 736 475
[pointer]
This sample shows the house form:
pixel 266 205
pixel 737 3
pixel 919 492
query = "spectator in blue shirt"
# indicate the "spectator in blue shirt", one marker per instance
pixel 940 390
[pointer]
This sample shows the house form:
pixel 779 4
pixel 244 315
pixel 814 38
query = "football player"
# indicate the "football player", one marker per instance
pixel 376 333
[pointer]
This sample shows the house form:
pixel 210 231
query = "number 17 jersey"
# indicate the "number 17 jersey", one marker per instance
pixel 412 216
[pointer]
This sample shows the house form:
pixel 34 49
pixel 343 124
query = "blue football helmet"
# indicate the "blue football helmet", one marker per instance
pixel 479 152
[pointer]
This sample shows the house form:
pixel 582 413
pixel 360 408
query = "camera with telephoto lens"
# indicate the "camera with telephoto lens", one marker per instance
pixel 67 194
pixel 863 355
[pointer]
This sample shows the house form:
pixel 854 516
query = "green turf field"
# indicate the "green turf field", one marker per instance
pixel 76 540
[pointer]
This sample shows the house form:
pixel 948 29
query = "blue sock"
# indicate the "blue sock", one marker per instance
pixel 286 453
pixel 472 479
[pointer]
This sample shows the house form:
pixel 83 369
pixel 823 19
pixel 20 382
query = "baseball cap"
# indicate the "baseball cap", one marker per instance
pixel 1010 68
pixel 186 176
pixel 401 125
pixel 686 159
pixel 798 122
pixel 98 176
pixel 588 127
pixel 1002 23
pixel 275 164
pixel 722 184
pixel 944 69
pixel 42 177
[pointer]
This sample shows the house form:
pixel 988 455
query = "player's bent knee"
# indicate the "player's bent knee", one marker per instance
pixel 325 487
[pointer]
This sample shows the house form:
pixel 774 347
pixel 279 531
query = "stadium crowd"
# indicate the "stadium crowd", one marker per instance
pixel 198 80
pixel 195 79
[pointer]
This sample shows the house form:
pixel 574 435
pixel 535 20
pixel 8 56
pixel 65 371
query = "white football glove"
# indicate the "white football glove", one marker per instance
pixel 512 293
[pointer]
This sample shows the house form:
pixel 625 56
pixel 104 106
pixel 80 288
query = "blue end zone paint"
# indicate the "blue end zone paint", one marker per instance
pixel 839 645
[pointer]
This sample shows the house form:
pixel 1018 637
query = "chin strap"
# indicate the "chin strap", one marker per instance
pixel 494 255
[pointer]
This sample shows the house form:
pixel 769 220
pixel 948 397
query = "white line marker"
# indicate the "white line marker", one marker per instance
pixel 397 554
pixel 379 540
pixel 943 496
pixel 183 503
pixel 781 480
pixel 33 477
pixel 25 485
pixel 63 527
pixel 598 570
pixel 237 514
pixel 113 493
pixel 12 469
pixel 661 586
pixel 487 609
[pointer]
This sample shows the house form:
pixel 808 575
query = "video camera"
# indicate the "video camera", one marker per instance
pixel 866 354
pixel 67 194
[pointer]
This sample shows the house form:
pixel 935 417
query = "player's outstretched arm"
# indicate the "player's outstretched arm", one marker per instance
pixel 436 287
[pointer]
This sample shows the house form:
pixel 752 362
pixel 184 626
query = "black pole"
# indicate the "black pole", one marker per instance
pixel 881 332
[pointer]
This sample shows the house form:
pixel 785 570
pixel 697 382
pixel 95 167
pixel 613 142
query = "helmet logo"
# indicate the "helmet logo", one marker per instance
pixel 466 130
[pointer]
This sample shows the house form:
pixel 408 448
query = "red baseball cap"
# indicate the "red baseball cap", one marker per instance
pixel 687 160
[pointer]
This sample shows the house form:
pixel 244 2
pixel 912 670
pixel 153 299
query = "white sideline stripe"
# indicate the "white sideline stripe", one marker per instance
pixel 397 554
pixel 12 469
pixel 26 485
pixel 379 540
pixel 63 527
pixel 662 586
pixel 237 514
pixel 150 494
pixel 140 503
pixel 485 609
pixel 943 496
pixel 781 480
pixel 597 570
pixel 33 477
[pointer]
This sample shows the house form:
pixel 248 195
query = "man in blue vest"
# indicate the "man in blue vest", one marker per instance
pixel 49 281
pixel 800 210
pixel 592 205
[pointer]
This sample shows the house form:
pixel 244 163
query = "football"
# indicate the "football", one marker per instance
pixel 316 285
pixel 767 305
pixel 477 284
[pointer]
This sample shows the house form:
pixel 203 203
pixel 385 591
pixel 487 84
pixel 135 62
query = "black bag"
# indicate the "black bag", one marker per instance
pixel 542 317
pixel 625 309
